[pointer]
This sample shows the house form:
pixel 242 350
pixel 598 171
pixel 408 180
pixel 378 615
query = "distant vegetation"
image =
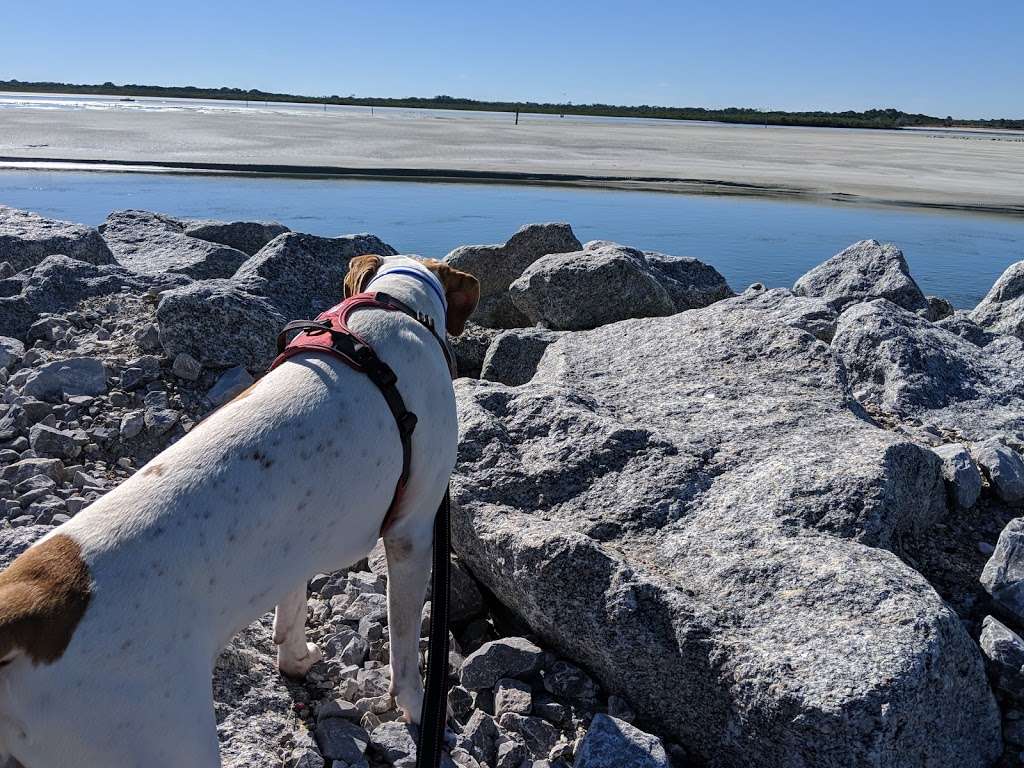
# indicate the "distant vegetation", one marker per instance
pixel 872 118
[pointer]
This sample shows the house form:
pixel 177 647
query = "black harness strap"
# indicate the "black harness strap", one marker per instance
pixel 435 694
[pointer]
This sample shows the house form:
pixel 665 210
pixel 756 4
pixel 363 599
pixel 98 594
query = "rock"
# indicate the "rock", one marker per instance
pixel 1004 468
pixel 482 735
pixel 14 541
pixel 57 443
pixel 783 307
pixel 507 657
pixel 1002 309
pixel 159 421
pixel 26 468
pixel 11 352
pixel 567 681
pixel 496 266
pixel 340 739
pixel 961 324
pixel 302 275
pixel 187 367
pixel 704 488
pixel 231 383
pixel 245 236
pixel 28 238
pixel 395 743
pixel 906 366
pixel 691 284
pixel 132 424
pixel 586 289
pixel 47 329
pixel 470 348
pixel 1004 654
pixel 465 600
pixel 65 378
pixel 151 243
pixel 1003 576
pixel 512 696
pixel 540 736
pixel 1009 349
pixel 514 354
pixel 963 479
pixel 938 308
pixel 219 325
pixel 866 270
pixel 614 743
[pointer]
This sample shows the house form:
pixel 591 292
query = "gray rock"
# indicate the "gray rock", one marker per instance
pixel 507 657
pixel 219 325
pixel 567 681
pixel 465 600
pixel 496 266
pixel 586 289
pixel 11 352
pixel 245 236
pixel 963 479
pixel 470 348
pixel 1002 309
pixel 512 696
pixel 938 308
pixel 514 354
pixel 1003 575
pixel 482 735
pixel 26 468
pixel 302 275
pixel 14 541
pixel 132 424
pixel 186 367
pixel 961 324
pixel 864 271
pixel 47 329
pixel 1004 468
pixel 232 382
pixel 340 739
pixel 1004 654
pixel 65 378
pixel 539 735
pixel 151 243
pixel 782 307
pixel 690 283
pixel 159 421
pixel 395 743
pixel 906 366
pixel 614 743
pixel 56 443
pixel 1009 349
pixel 28 238
pixel 703 487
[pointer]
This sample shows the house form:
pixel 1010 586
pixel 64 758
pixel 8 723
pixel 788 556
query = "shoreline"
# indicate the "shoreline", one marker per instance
pixel 663 184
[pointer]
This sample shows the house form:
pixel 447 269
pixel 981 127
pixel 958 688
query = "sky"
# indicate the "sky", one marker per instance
pixel 938 57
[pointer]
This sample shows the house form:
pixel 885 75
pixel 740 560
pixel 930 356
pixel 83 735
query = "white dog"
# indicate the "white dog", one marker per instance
pixel 110 624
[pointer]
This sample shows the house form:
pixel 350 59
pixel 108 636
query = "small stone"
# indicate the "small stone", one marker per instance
pixel 338 708
pixel 540 736
pixel 570 682
pixel 508 657
pixel 1004 467
pixel 963 479
pixel 985 548
pixel 74 376
pixel 1004 654
pixel 394 743
pixel 231 383
pixel 148 337
pixel 186 367
pixel 160 420
pixel 613 743
pixel 510 754
pixel 339 739
pixel 47 441
pixel 512 696
pixel 132 424
pixel 482 734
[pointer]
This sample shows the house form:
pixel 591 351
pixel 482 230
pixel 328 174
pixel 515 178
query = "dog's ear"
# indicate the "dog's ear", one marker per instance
pixel 461 291
pixel 361 270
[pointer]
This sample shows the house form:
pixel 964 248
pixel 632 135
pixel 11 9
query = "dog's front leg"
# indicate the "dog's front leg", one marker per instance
pixel 408 551
pixel 294 655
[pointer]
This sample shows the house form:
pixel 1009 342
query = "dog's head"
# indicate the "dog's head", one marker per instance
pixel 461 289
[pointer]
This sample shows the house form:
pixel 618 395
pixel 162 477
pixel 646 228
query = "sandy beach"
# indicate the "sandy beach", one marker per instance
pixel 928 168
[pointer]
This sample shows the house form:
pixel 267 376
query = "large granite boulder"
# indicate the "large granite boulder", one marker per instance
pixel 781 306
pixel 245 236
pixel 219 325
pixel 864 271
pixel 496 266
pixel 59 283
pixel 904 365
pixel 1002 309
pixel 470 348
pixel 585 289
pixel 696 509
pixel 28 238
pixel 152 243
pixel 514 355
pixel 302 275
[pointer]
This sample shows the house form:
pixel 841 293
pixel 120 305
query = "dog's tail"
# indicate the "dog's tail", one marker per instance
pixel 43 596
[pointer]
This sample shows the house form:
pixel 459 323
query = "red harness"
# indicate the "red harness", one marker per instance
pixel 330 334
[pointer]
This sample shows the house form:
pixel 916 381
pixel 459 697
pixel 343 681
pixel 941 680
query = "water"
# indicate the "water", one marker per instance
pixel 951 254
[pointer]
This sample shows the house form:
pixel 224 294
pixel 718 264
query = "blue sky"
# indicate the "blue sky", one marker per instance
pixel 959 58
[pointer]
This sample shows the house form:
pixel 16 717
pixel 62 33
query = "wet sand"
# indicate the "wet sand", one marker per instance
pixel 925 168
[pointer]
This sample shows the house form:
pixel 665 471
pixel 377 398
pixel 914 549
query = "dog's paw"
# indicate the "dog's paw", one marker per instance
pixel 410 704
pixel 298 667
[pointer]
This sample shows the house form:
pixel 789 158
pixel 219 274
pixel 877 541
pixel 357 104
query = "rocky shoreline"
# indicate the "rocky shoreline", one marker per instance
pixel 694 527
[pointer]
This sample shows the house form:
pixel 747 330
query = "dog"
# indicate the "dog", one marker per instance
pixel 111 623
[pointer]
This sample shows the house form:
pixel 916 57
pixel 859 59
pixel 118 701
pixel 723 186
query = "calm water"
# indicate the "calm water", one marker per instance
pixel 956 255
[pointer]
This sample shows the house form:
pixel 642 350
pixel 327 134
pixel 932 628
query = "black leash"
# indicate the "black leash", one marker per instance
pixel 435 693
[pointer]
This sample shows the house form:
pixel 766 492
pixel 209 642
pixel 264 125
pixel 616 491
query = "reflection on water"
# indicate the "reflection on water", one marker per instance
pixel 955 255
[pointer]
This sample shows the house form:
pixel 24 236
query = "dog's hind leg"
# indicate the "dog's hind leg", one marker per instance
pixel 408 545
pixel 294 655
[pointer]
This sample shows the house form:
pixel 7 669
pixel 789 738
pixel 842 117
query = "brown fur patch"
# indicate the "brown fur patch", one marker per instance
pixel 461 290
pixel 153 469
pixel 244 393
pixel 361 270
pixel 43 596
